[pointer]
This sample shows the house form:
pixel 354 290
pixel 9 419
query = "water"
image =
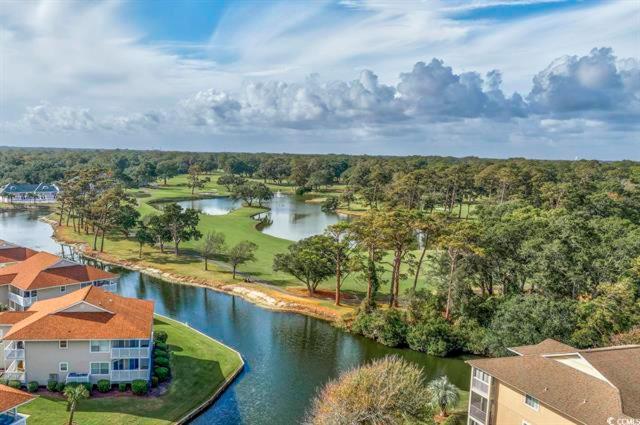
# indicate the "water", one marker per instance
pixel 289 216
pixel 288 356
pixel 213 206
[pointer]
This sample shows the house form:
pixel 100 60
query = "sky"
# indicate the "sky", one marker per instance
pixel 549 79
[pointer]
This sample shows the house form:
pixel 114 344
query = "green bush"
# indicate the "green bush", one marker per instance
pixel 60 387
pixel 454 419
pixel 160 353
pixel 161 346
pixel 140 387
pixel 162 373
pixel 433 336
pixel 52 385
pixel 162 356
pixel 14 384
pixel 154 381
pixel 122 387
pixel 388 328
pixel 87 385
pixel 162 361
pixel 104 385
pixel 160 336
pixel 32 386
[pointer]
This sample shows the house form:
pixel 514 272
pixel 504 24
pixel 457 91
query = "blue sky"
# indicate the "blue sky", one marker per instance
pixel 499 78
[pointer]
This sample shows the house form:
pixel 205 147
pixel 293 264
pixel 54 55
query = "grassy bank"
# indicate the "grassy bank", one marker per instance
pixel 199 364
pixel 237 226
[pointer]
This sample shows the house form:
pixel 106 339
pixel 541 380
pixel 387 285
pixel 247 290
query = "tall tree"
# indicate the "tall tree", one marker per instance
pixel 182 224
pixel 309 260
pixel 241 253
pixel 74 395
pixel 212 245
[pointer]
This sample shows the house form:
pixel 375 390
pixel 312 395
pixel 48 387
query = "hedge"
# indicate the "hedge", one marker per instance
pixel 140 387
pixel 32 386
pixel 104 385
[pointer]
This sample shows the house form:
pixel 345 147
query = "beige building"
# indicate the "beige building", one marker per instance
pixel 84 336
pixel 42 276
pixel 555 384
pixel 10 400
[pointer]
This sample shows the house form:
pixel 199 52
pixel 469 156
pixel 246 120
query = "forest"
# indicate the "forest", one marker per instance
pixel 491 253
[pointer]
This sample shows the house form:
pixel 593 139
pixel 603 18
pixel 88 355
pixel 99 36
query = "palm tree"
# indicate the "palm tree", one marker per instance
pixel 74 394
pixel 443 394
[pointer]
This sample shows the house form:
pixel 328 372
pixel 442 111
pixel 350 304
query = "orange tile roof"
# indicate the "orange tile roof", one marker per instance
pixel 121 318
pixel 44 270
pixel 13 317
pixel 12 253
pixel 10 398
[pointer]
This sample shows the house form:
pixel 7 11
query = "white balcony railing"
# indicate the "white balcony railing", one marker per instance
pixel 22 301
pixel 13 419
pixel 480 387
pixel 128 375
pixel 11 352
pixel 12 373
pixel 130 353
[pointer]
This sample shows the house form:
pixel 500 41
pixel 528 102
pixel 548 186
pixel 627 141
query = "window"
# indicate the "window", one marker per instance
pixel 532 402
pixel 144 364
pixel 63 289
pixel 99 346
pixel 126 364
pixel 477 373
pixel 144 343
pixel 63 345
pixel 63 367
pixel 99 368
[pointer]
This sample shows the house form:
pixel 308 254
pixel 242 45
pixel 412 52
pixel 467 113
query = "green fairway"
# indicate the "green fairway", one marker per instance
pixel 237 226
pixel 200 366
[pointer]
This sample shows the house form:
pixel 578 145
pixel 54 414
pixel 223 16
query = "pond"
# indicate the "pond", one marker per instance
pixel 288 356
pixel 290 217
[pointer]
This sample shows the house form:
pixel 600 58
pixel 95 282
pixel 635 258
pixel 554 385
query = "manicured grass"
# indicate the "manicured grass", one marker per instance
pixel 199 364
pixel 238 225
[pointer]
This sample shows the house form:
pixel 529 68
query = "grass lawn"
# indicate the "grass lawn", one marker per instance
pixel 199 364
pixel 237 226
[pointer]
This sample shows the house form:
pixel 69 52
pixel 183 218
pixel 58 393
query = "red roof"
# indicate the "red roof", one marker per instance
pixel 44 270
pixel 11 398
pixel 10 253
pixel 108 316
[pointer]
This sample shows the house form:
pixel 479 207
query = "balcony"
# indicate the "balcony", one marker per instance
pixel 480 387
pixel 13 419
pixel 12 352
pixel 14 373
pixel 22 301
pixel 477 414
pixel 130 353
pixel 129 375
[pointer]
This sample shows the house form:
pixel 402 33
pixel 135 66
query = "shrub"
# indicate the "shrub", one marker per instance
pixel 140 387
pixel 433 336
pixel 52 385
pixel 87 385
pixel 454 419
pixel 32 386
pixel 162 361
pixel 122 387
pixel 161 346
pixel 365 393
pixel 160 336
pixel 60 387
pixel 154 381
pixel 162 373
pixel 388 328
pixel 104 385
pixel 302 190
pixel 160 353
pixel 14 384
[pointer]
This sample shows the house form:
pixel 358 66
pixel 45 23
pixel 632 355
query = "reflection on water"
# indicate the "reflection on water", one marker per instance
pixel 289 216
pixel 288 356
pixel 214 206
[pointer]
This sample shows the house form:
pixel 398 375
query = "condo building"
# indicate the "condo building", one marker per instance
pixel 84 336
pixel 554 383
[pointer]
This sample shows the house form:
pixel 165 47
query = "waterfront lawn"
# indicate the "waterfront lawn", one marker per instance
pixel 200 365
